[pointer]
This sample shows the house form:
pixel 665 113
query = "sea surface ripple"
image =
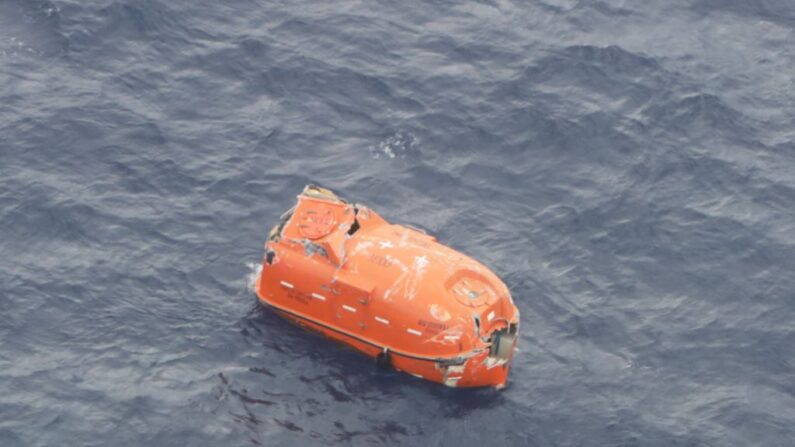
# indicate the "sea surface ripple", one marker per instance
pixel 627 167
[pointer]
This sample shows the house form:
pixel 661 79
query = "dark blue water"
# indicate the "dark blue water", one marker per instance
pixel 627 167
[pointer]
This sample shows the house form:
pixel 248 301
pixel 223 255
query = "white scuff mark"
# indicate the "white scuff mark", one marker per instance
pixel 381 320
pixel 361 246
pixel 449 336
pixel 318 296
pixel 452 382
pixel 456 369
pixel 454 373
pixel 386 244
pixel 490 316
pixel 343 257
pixel 400 279
pixel 404 239
pixel 439 313
pixel 349 308
pixel 254 270
pixel 491 362
pixel 417 270
pixel 420 262
pixel 413 331
pixel 286 284
pixel 409 279
pixel 417 375
pixel 395 261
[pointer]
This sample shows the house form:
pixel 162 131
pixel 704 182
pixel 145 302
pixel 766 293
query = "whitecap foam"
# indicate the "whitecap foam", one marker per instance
pixel 254 269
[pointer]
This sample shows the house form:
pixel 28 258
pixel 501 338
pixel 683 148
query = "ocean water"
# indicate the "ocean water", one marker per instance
pixel 628 168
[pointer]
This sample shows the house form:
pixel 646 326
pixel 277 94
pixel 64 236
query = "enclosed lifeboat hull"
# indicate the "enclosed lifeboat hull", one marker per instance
pixel 389 291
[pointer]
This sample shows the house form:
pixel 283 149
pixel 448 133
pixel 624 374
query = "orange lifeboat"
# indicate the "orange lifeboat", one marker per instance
pixel 390 291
